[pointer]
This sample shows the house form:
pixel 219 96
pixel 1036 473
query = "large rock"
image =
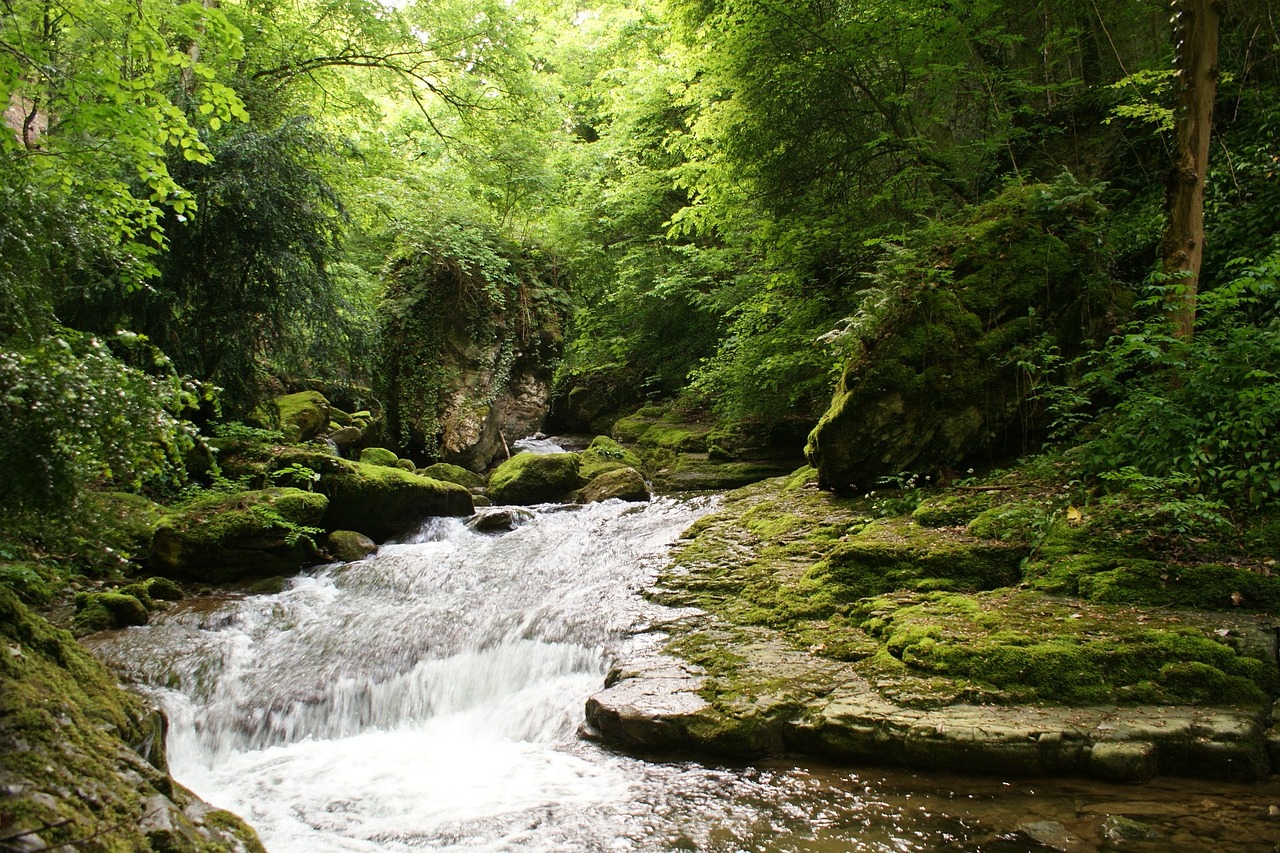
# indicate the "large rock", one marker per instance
pixel 971 317
pixel 468 349
pixel 303 415
pixel 532 478
pixel 82 762
pixel 381 502
pixel 622 484
pixel 606 455
pixel 454 474
pixel 223 538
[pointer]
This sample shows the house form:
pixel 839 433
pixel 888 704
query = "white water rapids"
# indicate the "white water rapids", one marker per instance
pixel 428 699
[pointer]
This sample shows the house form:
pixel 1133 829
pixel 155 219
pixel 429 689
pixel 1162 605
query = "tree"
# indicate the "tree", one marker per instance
pixel 1184 236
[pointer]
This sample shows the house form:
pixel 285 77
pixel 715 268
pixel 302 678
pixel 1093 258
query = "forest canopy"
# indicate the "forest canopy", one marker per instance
pixel 203 202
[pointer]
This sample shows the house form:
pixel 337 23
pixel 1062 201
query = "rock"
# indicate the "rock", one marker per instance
pixel 454 474
pixel 346 437
pixel 103 611
pixel 381 502
pixel 584 406
pixel 939 384
pixel 468 359
pixel 350 546
pixel 302 416
pixel 379 456
pixel 224 538
pixel 604 455
pixel 268 586
pixel 1132 761
pixel 1054 836
pixel 500 520
pixel 1118 828
pixel 532 478
pixel 622 484
pixel 80 756
pixel 164 589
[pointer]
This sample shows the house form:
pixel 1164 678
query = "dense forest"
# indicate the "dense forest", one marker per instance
pixel 904 241
pixel 715 205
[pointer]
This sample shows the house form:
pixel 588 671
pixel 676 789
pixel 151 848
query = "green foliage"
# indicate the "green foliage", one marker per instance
pixel 465 290
pixel 1198 414
pixel 73 414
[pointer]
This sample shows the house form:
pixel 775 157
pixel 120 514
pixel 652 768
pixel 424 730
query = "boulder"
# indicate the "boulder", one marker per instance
pixel 83 761
pixel 102 611
pixel 346 437
pixel 531 478
pixel 223 538
pixel 467 359
pixel 454 474
pixel 500 520
pixel 381 502
pixel 605 455
pixel 379 456
pixel 942 379
pixel 303 415
pixel 622 483
pixel 350 546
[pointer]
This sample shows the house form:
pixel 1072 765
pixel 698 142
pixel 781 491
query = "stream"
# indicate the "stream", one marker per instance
pixel 428 699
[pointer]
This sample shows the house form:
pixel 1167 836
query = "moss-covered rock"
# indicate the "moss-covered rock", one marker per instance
pixel 81 759
pixel 103 611
pixel 938 380
pixel 379 456
pixel 621 484
pixel 454 474
pixel 532 478
pixel 350 546
pixel 220 538
pixel 603 455
pixel 381 502
pixel 301 416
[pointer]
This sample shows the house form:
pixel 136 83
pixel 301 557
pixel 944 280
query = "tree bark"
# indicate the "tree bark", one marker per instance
pixel 1183 244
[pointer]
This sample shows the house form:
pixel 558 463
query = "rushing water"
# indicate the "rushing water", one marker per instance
pixel 428 699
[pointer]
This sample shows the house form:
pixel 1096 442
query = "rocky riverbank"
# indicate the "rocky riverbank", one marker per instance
pixel 955 629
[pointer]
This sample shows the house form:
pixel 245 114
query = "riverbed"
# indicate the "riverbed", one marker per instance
pixel 429 698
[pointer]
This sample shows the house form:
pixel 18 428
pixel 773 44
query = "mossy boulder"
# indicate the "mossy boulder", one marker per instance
pixel 625 484
pixel 603 455
pixel 454 474
pixel 350 546
pixel 103 611
pixel 381 502
pixel 938 381
pixel 379 456
pixel 532 478
pixel 301 416
pixel 222 538
pixel 79 756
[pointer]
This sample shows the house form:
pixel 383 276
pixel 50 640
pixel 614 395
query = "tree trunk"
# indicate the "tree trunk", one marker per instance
pixel 1183 244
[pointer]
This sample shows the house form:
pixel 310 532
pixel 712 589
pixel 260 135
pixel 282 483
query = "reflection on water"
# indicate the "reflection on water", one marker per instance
pixel 428 698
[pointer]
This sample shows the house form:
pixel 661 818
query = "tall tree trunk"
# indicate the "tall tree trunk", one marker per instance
pixel 1183 244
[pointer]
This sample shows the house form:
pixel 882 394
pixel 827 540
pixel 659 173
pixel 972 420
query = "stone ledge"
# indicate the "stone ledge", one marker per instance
pixel 653 703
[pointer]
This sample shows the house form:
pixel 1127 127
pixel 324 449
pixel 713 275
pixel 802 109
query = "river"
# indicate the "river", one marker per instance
pixel 428 699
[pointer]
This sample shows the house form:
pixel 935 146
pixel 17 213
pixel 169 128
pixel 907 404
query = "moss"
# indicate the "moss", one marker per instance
pixel 381 502
pixel 629 429
pixel 888 555
pixel 224 537
pixel 82 759
pixel 682 438
pixel 163 589
pixel 953 509
pixel 102 611
pixel 1029 649
pixel 454 474
pixel 379 456
pixel 530 478
pixel 34 583
pixel 301 416
pixel 605 455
